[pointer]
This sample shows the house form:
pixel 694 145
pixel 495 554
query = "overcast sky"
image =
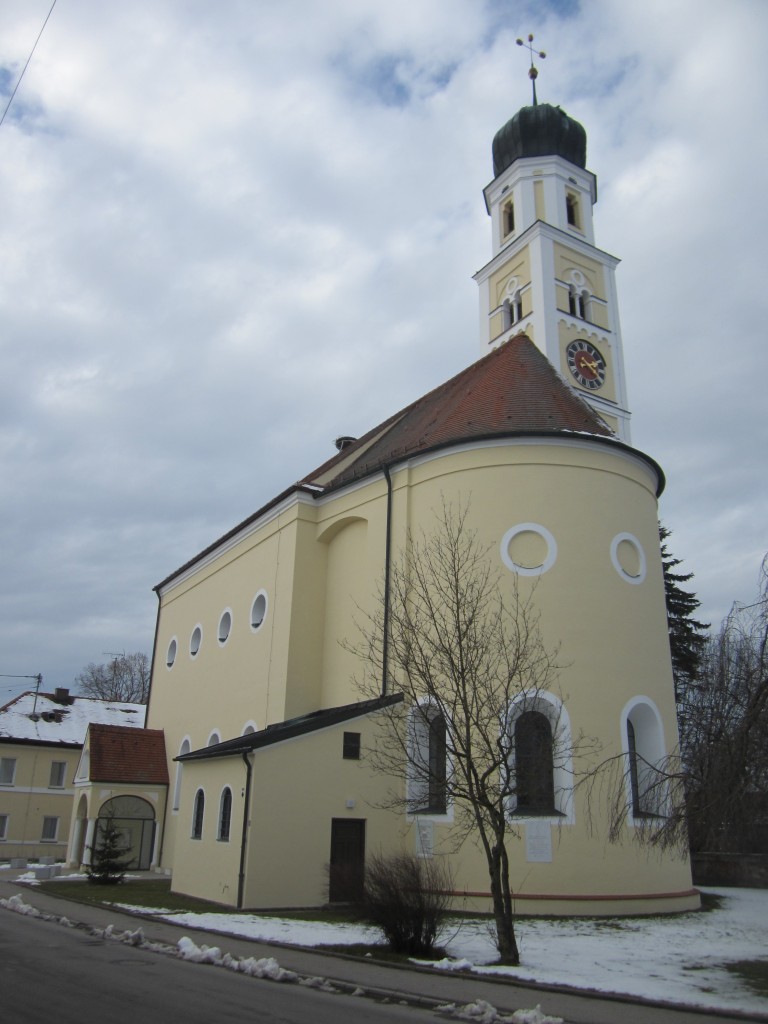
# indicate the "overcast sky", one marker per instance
pixel 231 232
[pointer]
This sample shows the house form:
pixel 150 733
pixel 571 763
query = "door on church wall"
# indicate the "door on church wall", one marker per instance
pixel 347 870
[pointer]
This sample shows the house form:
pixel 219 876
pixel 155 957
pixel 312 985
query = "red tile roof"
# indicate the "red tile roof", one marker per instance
pixel 512 390
pixel 120 754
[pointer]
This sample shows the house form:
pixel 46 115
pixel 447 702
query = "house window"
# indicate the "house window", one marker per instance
pixel 197 817
pixel 58 775
pixel 427 789
pixel 351 749
pixel 7 770
pixel 225 814
pixel 508 218
pixel 50 830
pixel 534 764
pixel 170 657
pixel 3 827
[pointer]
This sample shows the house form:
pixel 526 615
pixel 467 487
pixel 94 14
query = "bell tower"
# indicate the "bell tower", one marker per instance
pixel 546 277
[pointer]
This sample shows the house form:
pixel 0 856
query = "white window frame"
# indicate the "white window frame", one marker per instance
pixel 7 778
pixel 415 782
pixel 553 709
pixel 55 837
pixel 650 747
pixel 61 775
pixel 220 825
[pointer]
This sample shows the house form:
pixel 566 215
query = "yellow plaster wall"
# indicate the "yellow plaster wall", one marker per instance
pixel 569 259
pixel 209 867
pixel 612 641
pixel 518 266
pixel 287 865
pixel 31 798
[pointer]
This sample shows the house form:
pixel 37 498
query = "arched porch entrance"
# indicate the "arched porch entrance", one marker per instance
pixel 134 818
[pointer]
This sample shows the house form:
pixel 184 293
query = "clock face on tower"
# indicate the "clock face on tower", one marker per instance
pixel 586 364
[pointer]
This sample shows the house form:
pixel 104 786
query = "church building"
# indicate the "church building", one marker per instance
pixel 272 800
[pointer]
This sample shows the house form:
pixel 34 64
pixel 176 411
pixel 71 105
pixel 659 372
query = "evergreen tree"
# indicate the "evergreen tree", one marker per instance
pixel 108 858
pixel 687 636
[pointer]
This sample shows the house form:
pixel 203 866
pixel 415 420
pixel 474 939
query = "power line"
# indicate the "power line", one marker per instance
pixel 29 58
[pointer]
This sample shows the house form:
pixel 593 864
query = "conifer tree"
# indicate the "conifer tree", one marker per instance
pixel 687 636
pixel 108 858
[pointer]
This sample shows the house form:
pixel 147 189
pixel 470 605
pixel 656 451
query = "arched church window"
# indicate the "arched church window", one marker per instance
pixel 198 815
pixel 427 757
pixel 184 749
pixel 512 311
pixel 579 302
pixel 225 814
pixel 645 754
pixel 534 764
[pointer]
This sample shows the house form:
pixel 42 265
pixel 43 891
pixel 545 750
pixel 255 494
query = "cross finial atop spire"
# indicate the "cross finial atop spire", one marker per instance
pixel 533 72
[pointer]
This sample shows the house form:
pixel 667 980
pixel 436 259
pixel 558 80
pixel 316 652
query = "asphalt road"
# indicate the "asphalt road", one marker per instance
pixel 52 973
pixel 49 973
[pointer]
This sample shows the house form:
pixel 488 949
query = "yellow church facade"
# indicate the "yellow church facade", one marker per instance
pixel 273 800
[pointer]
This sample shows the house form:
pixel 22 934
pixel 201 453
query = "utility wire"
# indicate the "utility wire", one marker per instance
pixel 29 58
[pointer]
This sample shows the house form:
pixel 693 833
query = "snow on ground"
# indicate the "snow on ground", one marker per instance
pixel 677 958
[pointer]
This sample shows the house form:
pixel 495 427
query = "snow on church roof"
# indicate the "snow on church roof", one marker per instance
pixel 61 718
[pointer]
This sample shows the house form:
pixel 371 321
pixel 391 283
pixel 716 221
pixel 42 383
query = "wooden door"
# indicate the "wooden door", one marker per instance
pixel 347 871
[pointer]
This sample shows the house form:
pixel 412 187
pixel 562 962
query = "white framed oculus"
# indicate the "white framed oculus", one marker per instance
pixel 528 549
pixel 628 557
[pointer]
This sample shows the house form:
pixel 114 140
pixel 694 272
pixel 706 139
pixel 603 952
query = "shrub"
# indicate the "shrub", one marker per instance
pixel 408 898
pixel 108 856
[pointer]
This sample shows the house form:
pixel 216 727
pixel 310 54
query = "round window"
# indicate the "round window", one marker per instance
pixel 628 557
pixel 225 626
pixel 171 655
pixel 258 610
pixel 528 549
pixel 195 640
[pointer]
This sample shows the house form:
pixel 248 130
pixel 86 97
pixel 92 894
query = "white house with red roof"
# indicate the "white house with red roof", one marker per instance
pixel 41 737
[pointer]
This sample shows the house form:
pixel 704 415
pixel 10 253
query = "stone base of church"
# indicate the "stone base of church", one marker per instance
pixel 584 905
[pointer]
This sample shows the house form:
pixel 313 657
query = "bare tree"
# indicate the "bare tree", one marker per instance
pixel 125 678
pixel 711 793
pixel 724 733
pixel 473 670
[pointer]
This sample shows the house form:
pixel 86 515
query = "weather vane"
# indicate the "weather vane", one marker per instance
pixel 533 72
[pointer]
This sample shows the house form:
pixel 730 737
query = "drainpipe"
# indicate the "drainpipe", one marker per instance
pixel 387 558
pixel 244 839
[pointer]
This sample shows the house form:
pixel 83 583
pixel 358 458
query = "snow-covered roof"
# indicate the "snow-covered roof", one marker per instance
pixel 62 718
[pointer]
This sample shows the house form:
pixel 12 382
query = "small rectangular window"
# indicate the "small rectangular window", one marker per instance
pixel 509 218
pixel 572 210
pixel 352 746
pixel 58 775
pixel 7 770
pixel 3 826
pixel 50 830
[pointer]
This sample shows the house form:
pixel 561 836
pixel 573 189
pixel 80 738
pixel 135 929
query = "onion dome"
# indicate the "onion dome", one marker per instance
pixel 540 130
